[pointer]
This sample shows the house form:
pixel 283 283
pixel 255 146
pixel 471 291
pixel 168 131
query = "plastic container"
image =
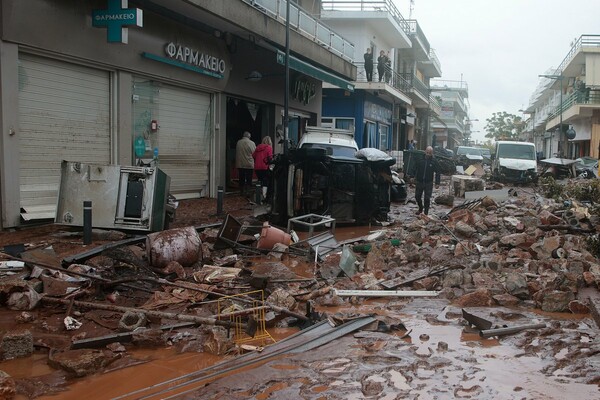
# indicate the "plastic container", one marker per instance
pixel 270 235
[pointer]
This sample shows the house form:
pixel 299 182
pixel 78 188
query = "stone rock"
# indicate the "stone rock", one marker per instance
pixel 487 240
pixel 282 298
pixel 551 243
pixel 445 199
pixel 16 344
pixel 516 285
pixel 453 278
pixel 429 283
pixel 464 229
pixel 577 307
pixel 515 239
pixel 554 300
pixel 547 218
pixel 8 388
pixel 478 298
pixel 218 341
pixel 80 362
pixel 589 278
pixel 441 255
pixel 488 202
pixel 173 267
pixel 149 337
pixel 491 221
pixel 506 300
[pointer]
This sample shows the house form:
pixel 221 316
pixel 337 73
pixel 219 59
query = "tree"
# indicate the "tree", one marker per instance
pixel 504 126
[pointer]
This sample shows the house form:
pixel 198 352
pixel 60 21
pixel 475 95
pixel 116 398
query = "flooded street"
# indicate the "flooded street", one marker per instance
pixel 419 348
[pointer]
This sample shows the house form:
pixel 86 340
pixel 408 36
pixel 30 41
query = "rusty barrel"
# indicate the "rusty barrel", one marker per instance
pixel 182 245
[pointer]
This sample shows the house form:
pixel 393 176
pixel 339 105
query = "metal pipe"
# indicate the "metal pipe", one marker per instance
pixel 286 95
pixel 509 331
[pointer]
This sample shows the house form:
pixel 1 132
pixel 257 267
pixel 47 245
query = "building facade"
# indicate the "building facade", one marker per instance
pixel 389 107
pixel 173 83
pixel 564 110
pixel 452 127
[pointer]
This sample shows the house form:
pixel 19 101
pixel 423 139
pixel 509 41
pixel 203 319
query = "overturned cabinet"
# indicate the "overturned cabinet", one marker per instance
pixel 123 197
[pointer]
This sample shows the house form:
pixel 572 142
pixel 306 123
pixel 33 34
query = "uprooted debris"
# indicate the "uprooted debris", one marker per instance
pixel 210 289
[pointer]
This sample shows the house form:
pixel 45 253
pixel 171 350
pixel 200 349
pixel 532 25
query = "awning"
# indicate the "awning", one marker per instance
pixel 317 73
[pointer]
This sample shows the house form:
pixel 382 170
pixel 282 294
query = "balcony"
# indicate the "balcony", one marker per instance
pixel 403 82
pixel 307 25
pixel 381 16
pixel 583 42
pixel 420 44
pixel 577 104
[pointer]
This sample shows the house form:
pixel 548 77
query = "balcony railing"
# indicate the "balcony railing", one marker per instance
pixel 307 25
pixel 386 6
pixel 576 98
pixel 582 41
pixel 435 106
pixel 416 84
pixel 415 30
pixel 434 59
pixel 391 77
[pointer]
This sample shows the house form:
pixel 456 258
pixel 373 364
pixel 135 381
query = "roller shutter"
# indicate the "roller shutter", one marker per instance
pixel 184 133
pixel 64 114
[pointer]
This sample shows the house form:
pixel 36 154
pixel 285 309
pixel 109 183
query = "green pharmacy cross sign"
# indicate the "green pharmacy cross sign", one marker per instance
pixel 115 19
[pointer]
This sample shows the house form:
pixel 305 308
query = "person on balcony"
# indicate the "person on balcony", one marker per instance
pixel 388 68
pixel 369 64
pixel 381 62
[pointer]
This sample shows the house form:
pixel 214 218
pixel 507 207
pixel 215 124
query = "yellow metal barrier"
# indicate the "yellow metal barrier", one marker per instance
pixel 245 313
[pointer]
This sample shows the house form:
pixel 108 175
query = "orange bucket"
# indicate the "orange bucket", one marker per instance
pixel 270 235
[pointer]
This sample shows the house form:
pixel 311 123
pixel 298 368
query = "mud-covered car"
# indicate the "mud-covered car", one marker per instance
pixel 319 178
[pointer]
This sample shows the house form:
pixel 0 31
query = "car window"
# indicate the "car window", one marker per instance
pixel 333 149
pixel 471 151
pixel 516 151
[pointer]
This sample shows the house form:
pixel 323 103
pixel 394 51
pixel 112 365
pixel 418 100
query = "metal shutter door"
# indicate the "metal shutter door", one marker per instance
pixel 64 114
pixel 184 139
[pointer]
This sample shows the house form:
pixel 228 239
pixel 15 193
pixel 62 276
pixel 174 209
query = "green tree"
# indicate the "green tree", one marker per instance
pixel 504 126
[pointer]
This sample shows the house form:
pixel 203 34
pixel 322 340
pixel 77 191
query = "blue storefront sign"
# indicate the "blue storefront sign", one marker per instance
pixel 116 18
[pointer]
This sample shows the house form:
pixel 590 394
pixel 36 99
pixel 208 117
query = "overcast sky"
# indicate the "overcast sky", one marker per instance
pixel 499 47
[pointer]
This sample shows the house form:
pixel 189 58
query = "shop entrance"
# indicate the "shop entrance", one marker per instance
pixel 243 115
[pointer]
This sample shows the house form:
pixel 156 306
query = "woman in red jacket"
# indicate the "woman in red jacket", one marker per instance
pixel 262 156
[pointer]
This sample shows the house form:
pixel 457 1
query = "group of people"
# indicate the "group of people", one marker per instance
pixel 255 159
pixel 384 65
pixel 250 159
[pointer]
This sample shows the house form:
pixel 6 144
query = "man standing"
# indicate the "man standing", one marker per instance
pixel 244 161
pixel 369 64
pixel 424 177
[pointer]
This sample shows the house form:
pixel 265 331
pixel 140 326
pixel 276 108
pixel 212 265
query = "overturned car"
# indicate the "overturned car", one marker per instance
pixel 327 179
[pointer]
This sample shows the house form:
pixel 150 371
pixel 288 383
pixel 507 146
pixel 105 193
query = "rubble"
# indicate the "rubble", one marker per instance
pixel 524 252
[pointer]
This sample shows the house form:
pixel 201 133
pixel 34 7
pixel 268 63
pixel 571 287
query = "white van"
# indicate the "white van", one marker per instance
pixel 336 142
pixel 514 162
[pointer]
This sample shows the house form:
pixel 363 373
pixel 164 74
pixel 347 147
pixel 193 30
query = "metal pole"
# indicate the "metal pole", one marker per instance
pixel 509 331
pixel 286 96
pixel 220 200
pixel 561 134
pixel 87 222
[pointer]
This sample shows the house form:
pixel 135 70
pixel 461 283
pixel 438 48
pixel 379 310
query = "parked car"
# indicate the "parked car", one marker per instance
pixel 514 162
pixel 466 156
pixel 586 167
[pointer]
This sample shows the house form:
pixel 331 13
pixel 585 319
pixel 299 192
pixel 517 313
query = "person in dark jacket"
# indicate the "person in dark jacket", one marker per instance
pixel 369 64
pixel 425 170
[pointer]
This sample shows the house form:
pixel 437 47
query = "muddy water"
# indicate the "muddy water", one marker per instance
pixel 158 366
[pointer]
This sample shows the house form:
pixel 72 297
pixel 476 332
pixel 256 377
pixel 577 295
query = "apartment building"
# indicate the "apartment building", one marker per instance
pixel 564 110
pixel 452 127
pixel 173 81
pixel 393 107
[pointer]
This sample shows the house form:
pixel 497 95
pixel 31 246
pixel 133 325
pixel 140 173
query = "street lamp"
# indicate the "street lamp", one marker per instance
pixel 560 128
